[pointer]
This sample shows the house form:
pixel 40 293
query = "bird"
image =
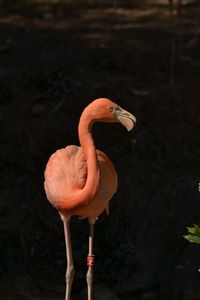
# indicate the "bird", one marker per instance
pixel 81 180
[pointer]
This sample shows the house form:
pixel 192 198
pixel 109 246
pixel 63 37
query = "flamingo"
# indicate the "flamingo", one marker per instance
pixel 80 180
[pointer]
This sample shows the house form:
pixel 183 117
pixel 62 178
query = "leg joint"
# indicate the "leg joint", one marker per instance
pixel 69 273
pixel 89 276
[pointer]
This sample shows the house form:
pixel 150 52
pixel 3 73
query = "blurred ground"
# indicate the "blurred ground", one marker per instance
pixel 55 59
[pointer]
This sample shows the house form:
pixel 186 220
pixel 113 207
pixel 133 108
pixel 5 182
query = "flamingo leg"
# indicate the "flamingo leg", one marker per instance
pixel 70 265
pixel 90 260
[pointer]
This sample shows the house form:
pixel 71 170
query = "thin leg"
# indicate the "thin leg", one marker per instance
pixel 90 260
pixel 70 266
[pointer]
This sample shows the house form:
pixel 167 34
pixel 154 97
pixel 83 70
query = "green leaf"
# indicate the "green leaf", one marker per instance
pixel 194 230
pixel 192 238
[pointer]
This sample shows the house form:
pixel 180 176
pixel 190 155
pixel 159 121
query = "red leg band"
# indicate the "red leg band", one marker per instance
pixel 90 260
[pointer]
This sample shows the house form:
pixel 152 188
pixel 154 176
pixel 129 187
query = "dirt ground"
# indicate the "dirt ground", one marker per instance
pixel 55 59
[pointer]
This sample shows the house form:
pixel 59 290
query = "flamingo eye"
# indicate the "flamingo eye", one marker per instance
pixel 114 109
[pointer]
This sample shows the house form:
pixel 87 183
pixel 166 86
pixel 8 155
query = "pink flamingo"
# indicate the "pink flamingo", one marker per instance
pixel 82 180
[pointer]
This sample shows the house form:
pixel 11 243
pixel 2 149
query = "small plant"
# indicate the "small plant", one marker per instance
pixel 193 235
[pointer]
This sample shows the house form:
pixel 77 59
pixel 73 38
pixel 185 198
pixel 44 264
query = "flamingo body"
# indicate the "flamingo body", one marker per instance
pixel 66 172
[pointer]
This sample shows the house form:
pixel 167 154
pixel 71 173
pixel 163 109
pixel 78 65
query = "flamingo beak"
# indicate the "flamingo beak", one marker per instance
pixel 125 118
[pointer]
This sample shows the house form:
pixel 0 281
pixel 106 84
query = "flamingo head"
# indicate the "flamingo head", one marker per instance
pixel 104 110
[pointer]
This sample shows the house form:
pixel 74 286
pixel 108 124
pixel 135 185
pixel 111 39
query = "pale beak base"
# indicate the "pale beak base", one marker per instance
pixel 125 118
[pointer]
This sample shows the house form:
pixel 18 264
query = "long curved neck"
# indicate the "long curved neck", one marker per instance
pixel 89 150
pixel 85 195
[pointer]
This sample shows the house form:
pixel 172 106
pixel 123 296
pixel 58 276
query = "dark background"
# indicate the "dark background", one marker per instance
pixel 55 58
